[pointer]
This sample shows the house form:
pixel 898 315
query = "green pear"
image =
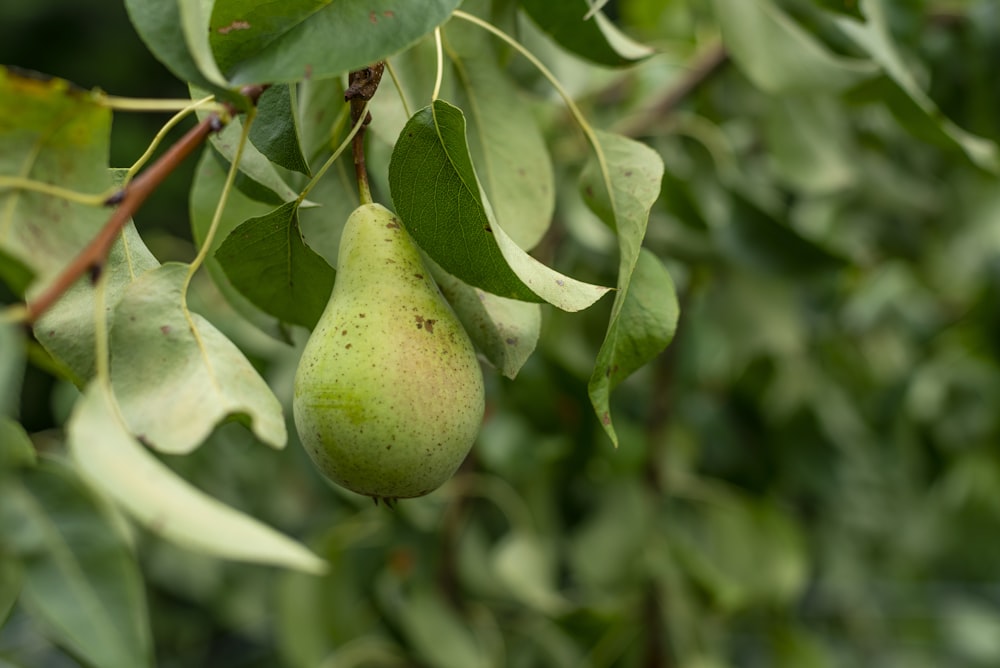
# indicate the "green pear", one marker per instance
pixel 388 393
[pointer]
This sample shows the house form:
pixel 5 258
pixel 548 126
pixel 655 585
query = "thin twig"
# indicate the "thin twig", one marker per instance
pixel 92 257
pixel 702 67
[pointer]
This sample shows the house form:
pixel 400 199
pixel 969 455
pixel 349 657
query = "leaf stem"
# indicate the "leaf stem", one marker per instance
pixel 21 183
pixel 167 127
pixel 148 104
pixel 128 199
pixel 399 88
pixel 439 75
pixel 333 157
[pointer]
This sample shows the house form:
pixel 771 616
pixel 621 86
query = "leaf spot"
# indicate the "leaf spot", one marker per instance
pixel 343 332
pixel 388 14
pixel 605 418
pixel 165 329
pixel 235 25
pixel 628 172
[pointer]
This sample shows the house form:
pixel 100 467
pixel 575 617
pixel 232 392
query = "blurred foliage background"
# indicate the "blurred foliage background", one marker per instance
pixel 808 476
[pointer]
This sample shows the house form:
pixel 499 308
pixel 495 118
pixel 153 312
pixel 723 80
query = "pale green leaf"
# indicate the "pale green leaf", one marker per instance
pixel 874 36
pixel 620 185
pixel 176 377
pixel 504 138
pixel 505 330
pixel 256 41
pixel 779 56
pixel 809 142
pixel 438 635
pixel 103 449
pixel 266 259
pixel 10 585
pixel 439 198
pixel 80 581
pixel 526 568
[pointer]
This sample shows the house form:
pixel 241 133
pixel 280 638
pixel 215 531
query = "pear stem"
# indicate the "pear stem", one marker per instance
pixel 362 85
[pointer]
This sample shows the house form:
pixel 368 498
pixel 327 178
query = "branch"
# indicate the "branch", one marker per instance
pixel 129 199
pixel 702 67
pixel 362 85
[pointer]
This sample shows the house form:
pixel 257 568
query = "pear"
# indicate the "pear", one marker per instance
pixel 388 392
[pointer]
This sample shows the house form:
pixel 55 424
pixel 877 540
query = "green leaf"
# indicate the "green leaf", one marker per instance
pixel 176 377
pixel 105 452
pixel 438 196
pixel 874 36
pixel 11 368
pixel 754 238
pixel 16 449
pixel 621 185
pixel 504 139
pixel 266 259
pixel 80 578
pixel 438 635
pixel 505 330
pixel 526 568
pixel 174 31
pixel 11 576
pixel 779 56
pixel 585 32
pixel 206 189
pixel 265 42
pixel 810 144
pixel 275 131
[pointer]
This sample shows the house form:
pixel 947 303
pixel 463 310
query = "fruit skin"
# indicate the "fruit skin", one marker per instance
pixel 388 392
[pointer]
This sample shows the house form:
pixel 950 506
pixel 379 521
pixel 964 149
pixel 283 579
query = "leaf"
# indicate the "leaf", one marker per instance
pixel 874 36
pixel 505 140
pixel 438 635
pixel 505 330
pixel 585 31
pixel 809 142
pixel 101 446
pixel 11 369
pixel 10 586
pixel 621 186
pixel 779 56
pixel 266 259
pixel 16 449
pixel 265 42
pixel 438 197
pixel 174 30
pixel 275 131
pixel 80 578
pixel 206 189
pixel 526 570
pixel 175 376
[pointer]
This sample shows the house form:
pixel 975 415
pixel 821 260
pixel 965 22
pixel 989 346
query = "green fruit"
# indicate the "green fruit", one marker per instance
pixel 388 393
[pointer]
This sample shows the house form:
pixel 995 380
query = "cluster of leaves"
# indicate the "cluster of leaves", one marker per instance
pixel 797 477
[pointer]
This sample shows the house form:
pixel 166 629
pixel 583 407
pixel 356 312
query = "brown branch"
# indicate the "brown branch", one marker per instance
pixel 362 85
pixel 91 258
pixel 704 65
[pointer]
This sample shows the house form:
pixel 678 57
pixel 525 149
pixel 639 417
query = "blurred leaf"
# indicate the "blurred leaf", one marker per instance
pixel 526 568
pixel 264 42
pixel 11 368
pixel 874 36
pixel 606 549
pixel 266 259
pixel 779 56
pixel 103 450
pixel 809 143
pixel 16 449
pixel 80 579
pixel 437 633
pixel 754 238
pixel 505 330
pixel 586 32
pixel 439 198
pixel 621 186
pixel 973 631
pixel 275 131
pixel 11 577
pixel 794 648
pixel 505 140
pixel 175 376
